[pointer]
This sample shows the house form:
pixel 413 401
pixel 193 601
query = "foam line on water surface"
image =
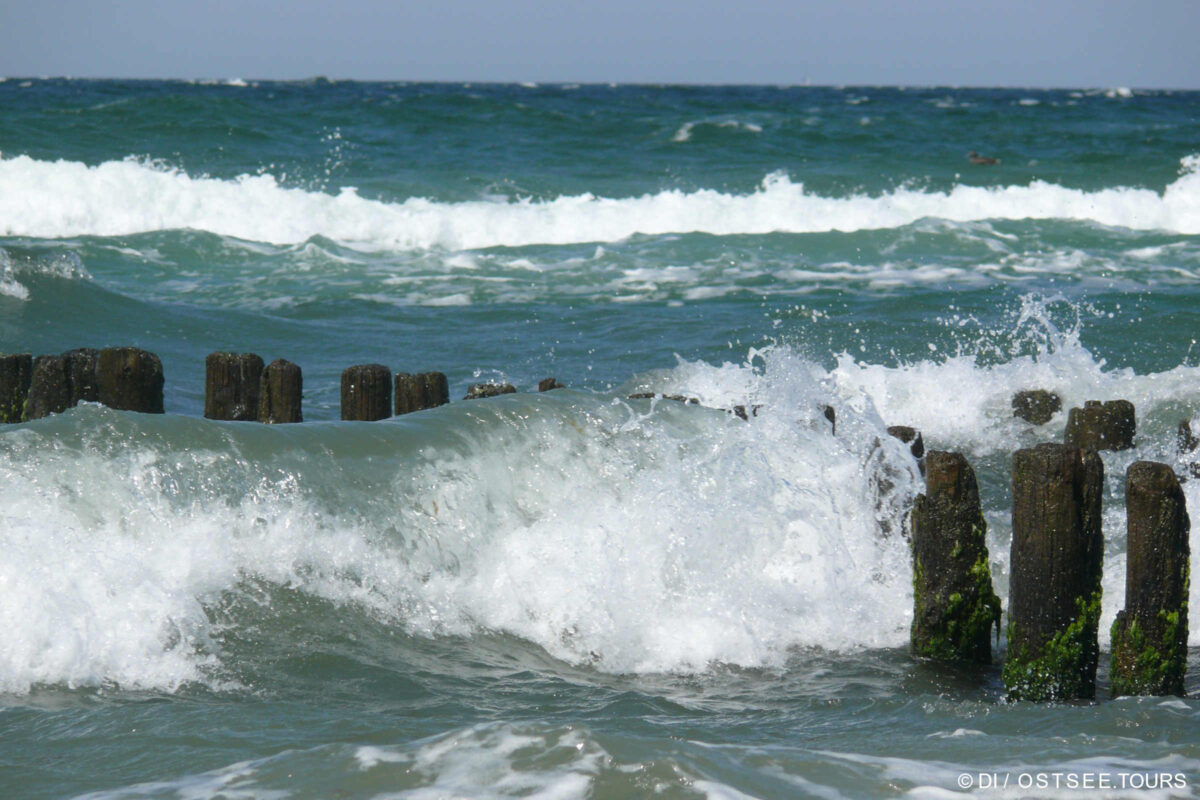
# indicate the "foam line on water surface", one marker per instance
pixel 55 199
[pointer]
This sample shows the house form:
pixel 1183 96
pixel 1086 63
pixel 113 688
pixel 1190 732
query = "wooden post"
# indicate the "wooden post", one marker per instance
pixel 478 390
pixel 366 392
pixel 16 373
pixel 912 438
pixel 954 607
pixel 1036 406
pixel 231 386
pixel 1057 551
pixel 421 391
pixel 61 382
pixel 1150 636
pixel 1101 426
pixel 279 392
pixel 130 379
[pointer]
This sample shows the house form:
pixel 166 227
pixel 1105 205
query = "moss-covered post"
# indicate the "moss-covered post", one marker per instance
pixel 16 373
pixel 366 392
pixel 279 392
pixel 1057 552
pixel 1150 636
pixel 421 391
pixel 954 607
pixel 1101 426
pixel 231 386
pixel 130 379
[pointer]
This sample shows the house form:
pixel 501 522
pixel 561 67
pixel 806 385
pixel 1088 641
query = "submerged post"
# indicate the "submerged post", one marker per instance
pixel 279 392
pixel 366 392
pixel 1036 406
pixel 130 379
pixel 479 390
pixel 421 391
pixel 16 373
pixel 1101 426
pixel 1057 551
pixel 231 386
pixel 954 607
pixel 1150 636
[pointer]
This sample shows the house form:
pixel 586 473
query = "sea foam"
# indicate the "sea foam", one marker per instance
pixel 68 198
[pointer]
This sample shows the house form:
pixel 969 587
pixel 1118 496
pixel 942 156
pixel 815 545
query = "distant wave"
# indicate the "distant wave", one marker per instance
pixel 68 198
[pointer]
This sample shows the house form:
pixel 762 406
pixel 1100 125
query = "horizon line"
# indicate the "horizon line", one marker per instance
pixel 228 81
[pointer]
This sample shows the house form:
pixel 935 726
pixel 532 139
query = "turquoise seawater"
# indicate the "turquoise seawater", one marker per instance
pixel 568 594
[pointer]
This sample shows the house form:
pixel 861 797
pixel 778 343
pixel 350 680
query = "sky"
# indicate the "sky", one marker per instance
pixel 1062 43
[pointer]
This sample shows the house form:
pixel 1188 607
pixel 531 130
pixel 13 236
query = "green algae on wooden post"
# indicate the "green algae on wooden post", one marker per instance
pixel 16 374
pixel 954 607
pixel 1057 552
pixel 1149 637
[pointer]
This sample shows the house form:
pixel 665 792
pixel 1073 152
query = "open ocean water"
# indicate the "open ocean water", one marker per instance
pixel 569 594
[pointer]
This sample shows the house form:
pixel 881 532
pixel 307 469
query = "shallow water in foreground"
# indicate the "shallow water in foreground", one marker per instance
pixel 570 594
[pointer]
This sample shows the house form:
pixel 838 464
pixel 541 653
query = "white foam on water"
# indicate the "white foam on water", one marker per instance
pixel 9 285
pixel 685 131
pixel 68 198
pixel 634 536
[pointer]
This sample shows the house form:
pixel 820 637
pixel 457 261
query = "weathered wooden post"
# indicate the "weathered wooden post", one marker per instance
pixel 366 392
pixel 16 373
pixel 1150 636
pixel 421 391
pixel 130 379
pixel 83 367
pixel 954 607
pixel 479 390
pixel 1057 551
pixel 279 391
pixel 1101 426
pixel 61 382
pixel 231 386
pixel 912 438
pixel 1036 406
pixel 546 384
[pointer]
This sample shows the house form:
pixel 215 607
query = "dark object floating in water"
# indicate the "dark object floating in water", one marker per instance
pixel 975 158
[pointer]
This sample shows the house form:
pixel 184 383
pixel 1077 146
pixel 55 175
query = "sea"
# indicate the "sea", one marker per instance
pixel 572 593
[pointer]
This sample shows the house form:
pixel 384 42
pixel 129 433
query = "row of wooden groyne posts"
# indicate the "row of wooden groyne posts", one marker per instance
pixel 1057 489
pixel 237 386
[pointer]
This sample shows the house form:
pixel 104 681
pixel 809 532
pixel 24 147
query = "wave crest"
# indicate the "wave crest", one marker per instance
pixel 68 198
